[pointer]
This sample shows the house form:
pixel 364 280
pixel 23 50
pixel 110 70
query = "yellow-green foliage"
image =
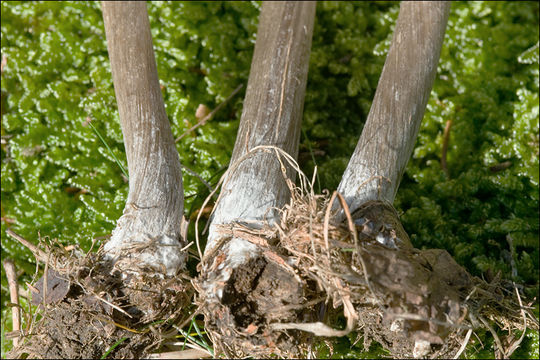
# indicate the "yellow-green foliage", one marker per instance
pixel 57 78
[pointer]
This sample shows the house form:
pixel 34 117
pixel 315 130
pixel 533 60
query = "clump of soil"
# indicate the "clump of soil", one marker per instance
pixel 309 270
pixel 87 310
pixel 239 310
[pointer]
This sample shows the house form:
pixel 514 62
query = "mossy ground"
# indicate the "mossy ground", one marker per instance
pixel 58 177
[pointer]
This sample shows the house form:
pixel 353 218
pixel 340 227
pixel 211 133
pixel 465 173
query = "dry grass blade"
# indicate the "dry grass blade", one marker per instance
pixel 464 345
pixel 38 253
pixel 515 345
pixel 11 275
pixel 495 336
pixel 198 353
pixel 326 222
pixel 318 328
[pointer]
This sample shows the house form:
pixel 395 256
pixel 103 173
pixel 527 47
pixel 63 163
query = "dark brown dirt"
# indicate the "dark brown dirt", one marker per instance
pixel 87 310
pixel 71 331
pixel 257 294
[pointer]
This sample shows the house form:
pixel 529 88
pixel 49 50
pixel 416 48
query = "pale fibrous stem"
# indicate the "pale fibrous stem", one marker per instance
pixel 149 230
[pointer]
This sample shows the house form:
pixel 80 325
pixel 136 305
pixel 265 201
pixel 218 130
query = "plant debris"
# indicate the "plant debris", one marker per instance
pixel 87 309
pixel 309 270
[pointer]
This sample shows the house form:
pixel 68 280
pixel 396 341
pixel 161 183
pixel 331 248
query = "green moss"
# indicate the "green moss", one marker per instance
pixel 344 71
pixel 57 78
pixel 491 96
